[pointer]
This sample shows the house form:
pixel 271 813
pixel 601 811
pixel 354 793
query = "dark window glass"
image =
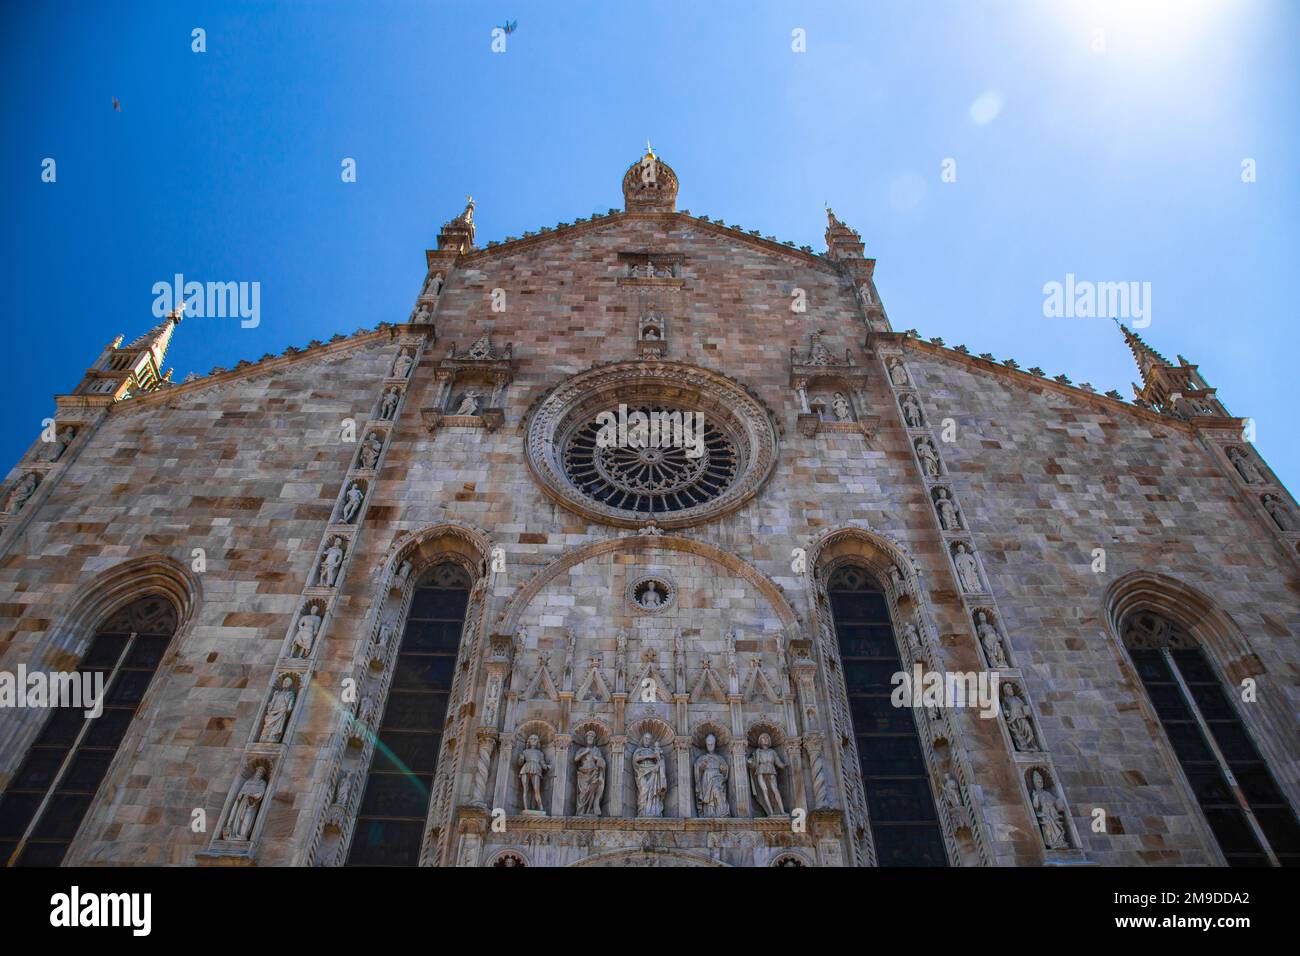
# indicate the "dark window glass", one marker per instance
pixel 390 823
pixel 57 782
pixel 904 826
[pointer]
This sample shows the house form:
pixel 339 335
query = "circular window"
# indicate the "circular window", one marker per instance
pixel 645 443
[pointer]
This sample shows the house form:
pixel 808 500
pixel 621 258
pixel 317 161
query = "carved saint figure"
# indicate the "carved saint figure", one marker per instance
pixel 277 712
pixel 952 794
pixel 947 512
pixel 1018 722
pixel 421 315
pixel 21 494
pixel 1245 467
pixel 764 763
pixel 330 562
pixel 590 777
pixel 990 641
pixel 898 374
pixel 929 459
pixel 305 635
pixel 468 404
pixel 711 781
pixel 1281 514
pixel 352 502
pixel 840 405
pixel 434 285
pixel 60 444
pixel 532 769
pixel 370 449
pixel 911 411
pixel 402 367
pixel 1051 815
pixel 651 333
pixel 239 825
pixel 403 575
pixel 388 406
pixel 386 629
pixel 967 570
pixel 651 777
pixel 343 789
pixel 651 596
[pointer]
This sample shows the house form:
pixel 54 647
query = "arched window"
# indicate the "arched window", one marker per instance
pixel 904 825
pixel 390 823
pixel 1245 809
pixel 56 784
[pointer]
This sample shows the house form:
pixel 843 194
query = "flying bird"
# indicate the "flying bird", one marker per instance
pixel 117 105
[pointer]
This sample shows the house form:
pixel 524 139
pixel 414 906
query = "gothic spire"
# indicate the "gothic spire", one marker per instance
pixel 1177 390
pixel 1146 357
pixel 122 371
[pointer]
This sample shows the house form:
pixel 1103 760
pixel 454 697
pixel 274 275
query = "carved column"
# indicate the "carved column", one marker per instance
pixel 685 784
pixel 617 758
pixel 560 774
pixel 794 760
pixel 740 777
pixel 487 741
pixel 816 760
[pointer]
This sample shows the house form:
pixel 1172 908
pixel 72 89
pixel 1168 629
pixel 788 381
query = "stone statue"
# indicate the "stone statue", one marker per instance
pixel 929 459
pixel 952 794
pixel 421 315
pixel 1051 815
pixel 277 712
pixel 60 444
pixel 532 770
pixel 352 502
pixel 620 664
pixel 947 512
pixel 370 449
pixel 403 575
pixel 679 662
pixel 990 641
pixel 243 814
pixel 651 334
pixel 590 777
pixel 305 636
pixel 711 782
pixel 21 494
pixel 840 405
pixel 651 777
pixel 651 597
pixel 967 570
pixel 468 404
pixel 1018 722
pixel 1281 514
pixel 343 789
pixel 330 562
pixel 898 374
pixel 434 285
pixel 388 407
pixel 385 635
pixel 1245 467
pixel 402 367
pixel 911 411
pixel 764 763
pixel 913 637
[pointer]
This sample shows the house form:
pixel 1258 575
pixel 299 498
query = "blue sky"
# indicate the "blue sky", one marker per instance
pixel 1114 164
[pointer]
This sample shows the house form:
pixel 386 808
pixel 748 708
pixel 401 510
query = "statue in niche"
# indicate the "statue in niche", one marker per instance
pixel 402 366
pixel 343 789
pixel 277 712
pixel 590 777
pixel 898 374
pixel 650 597
pixel 60 444
pixel 913 637
pixel 243 814
pixel 1245 467
pixel 403 575
pixel 1280 513
pixel 21 494
pixel 305 635
pixel 620 664
pixel 711 781
pixel 352 502
pixel 1051 815
pixel 764 763
pixel 370 449
pixel 651 333
pixel 469 403
pixel 532 770
pixel 929 459
pixel 365 710
pixel 330 563
pixel 386 630
pixel 990 641
pixel 840 405
pixel 947 512
pixel 911 411
pixel 967 570
pixel 651 777
pixel 1018 721
pixel 952 794
pixel 421 315
pixel 388 407
pixel 434 285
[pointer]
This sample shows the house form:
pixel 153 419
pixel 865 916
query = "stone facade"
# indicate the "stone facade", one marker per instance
pixel 846 433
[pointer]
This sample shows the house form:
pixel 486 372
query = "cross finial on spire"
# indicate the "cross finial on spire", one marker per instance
pixel 649 150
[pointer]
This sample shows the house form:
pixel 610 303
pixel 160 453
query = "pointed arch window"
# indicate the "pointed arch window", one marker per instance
pixel 1243 805
pixel 904 824
pixel 55 786
pixel 390 824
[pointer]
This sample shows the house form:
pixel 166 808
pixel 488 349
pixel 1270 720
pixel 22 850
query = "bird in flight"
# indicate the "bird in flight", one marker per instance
pixel 510 26
pixel 117 105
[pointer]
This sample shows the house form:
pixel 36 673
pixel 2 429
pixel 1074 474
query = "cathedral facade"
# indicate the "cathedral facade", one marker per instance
pixel 619 551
